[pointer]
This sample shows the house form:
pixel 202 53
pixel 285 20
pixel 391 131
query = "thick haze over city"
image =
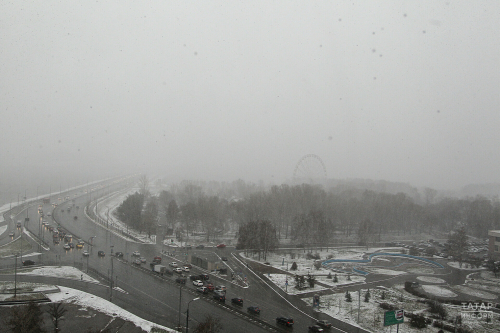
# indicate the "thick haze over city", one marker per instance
pixel 220 90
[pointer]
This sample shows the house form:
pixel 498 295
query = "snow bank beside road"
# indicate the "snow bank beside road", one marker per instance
pixel 74 296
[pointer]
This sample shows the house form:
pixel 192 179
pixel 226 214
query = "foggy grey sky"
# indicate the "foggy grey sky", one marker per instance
pixel 219 90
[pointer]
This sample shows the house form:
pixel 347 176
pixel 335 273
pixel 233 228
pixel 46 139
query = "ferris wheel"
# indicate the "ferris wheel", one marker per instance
pixel 310 169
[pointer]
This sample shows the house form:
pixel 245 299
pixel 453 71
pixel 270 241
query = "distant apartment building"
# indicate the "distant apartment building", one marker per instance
pixel 494 244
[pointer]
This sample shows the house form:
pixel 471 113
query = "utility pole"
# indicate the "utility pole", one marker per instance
pixel 359 302
pixel 15 277
pixel 180 298
pixel 111 280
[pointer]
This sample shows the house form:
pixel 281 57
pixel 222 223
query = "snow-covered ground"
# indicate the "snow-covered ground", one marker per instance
pixel 106 208
pixel 3 228
pixel 280 280
pixel 66 272
pixel 73 296
pixel 474 292
pixel 465 266
pixel 430 279
pixel 383 271
pixel 84 299
pixel 438 291
pixel 371 315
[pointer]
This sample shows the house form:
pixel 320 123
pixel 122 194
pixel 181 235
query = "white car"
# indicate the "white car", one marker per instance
pixel 173 264
pixel 186 269
pixel 198 283
pixel 178 270
pixel 142 259
pixel 85 253
pixel 220 288
pixel 66 247
pixel 136 253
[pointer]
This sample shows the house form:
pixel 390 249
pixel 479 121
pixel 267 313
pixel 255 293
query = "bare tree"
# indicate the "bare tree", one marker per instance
pixel 209 325
pixel 144 185
pixel 457 244
pixel 56 312
pixel 25 318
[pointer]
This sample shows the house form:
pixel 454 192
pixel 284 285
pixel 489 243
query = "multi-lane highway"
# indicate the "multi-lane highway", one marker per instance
pixel 159 299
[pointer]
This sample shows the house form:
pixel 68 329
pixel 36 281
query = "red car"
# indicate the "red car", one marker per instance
pixel 221 246
pixel 157 260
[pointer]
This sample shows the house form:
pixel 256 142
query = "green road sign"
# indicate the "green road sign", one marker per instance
pixel 394 317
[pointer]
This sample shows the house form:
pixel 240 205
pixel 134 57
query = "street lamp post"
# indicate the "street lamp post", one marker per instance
pixel 111 280
pixel 187 313
pixel 15 276
pixel 180 298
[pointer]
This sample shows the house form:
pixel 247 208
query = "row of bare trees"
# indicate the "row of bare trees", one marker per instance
pixel 310 214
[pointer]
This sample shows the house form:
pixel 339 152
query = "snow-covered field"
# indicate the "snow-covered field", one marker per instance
pixel 465 267
pixel 73 296
pixel 430 279
pixel 3 228
pixel 438 291
pixel 474 292
pixel 371 315
pixel 108 206
pixel 84 299
pixel 383 271
pixel 280 280
pixel 67 272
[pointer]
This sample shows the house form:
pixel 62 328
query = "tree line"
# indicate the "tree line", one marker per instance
pixel 310 214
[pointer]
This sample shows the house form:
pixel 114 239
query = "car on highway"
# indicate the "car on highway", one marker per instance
pixel 119 254
pixel 185 268
pixel 18 225
pixel 253 309
pixel 137 261
pixel 12 234
pixel 204 277
pixel 223 258
pixel 284 321
pixel 198 283
pixel 28 262
pixel 173 264
pixel 180 280
pixel 142 259
pixel 324 323
pixel 101 254
pixel 315 328
pixel 220 298
pixel 202 290
pixel 221 246
pixel 178 270
pixel 71 245
pixel 67 247
pixel 209 285
pixel 136 254
pixel 237 301
pixel 194 277
pixel 85 253
pixel 220 288
pixel 157 260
